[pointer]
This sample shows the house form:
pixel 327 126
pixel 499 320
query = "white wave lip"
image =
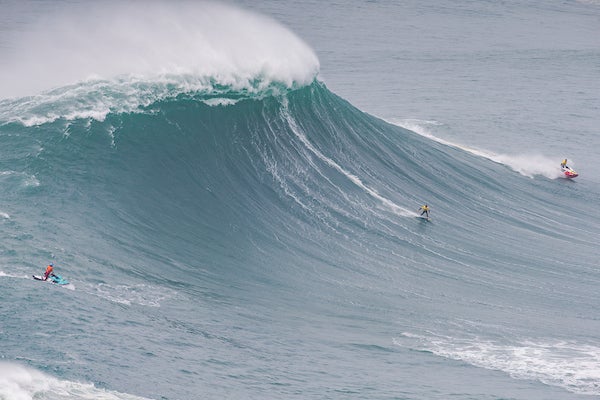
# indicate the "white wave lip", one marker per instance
pixel 526 164
pixel 144 53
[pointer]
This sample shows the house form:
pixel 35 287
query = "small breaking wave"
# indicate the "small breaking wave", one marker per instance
pixel 528 165
pixel 18 382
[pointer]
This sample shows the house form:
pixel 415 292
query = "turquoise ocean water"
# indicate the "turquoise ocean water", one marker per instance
pixel 231 190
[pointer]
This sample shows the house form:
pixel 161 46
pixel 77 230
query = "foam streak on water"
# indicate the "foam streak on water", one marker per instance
pixel 571 365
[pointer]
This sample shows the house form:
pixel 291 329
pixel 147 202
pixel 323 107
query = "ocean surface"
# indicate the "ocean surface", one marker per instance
pixel 232 189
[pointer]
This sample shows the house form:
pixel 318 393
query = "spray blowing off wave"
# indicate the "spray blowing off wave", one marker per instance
pixel 526 164
pixel 115 58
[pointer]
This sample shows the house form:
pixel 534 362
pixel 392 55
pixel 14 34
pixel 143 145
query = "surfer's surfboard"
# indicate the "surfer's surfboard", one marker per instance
pixel 423 218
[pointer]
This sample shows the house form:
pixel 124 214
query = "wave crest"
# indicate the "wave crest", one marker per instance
pixel 96 98
pixel 163 50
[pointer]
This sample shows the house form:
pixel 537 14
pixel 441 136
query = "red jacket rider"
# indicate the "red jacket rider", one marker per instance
pixel 49 270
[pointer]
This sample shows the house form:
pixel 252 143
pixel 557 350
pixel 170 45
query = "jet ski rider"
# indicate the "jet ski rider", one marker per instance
pixel 49 271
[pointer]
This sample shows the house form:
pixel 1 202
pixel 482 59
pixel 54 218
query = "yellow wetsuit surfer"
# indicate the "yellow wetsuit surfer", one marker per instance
pixel 424 210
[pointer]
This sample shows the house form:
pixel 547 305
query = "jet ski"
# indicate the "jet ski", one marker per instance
pixel 569 173
pixel 56 279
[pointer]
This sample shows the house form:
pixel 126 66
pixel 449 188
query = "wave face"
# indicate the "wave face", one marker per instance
pixel 282 213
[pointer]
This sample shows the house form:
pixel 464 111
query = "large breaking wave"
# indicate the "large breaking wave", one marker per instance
pixel 237 173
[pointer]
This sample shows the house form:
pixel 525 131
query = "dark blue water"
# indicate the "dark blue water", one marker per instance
pixel 239 230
